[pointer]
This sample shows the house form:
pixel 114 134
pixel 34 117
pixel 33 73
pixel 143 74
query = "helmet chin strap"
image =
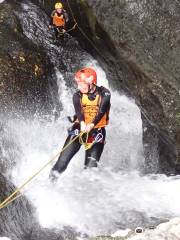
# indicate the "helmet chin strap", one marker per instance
pixel 90 88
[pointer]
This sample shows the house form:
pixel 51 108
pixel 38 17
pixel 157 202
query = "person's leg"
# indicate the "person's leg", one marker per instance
pixel 56 32
pixel 93 154
pixel 66 155
pixel 60 36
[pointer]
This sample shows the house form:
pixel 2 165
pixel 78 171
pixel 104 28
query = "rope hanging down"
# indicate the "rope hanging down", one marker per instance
pixel 84 34
pixel 69 30
pixel 13 196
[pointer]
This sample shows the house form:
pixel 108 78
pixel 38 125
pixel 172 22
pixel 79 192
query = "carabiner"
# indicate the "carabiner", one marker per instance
pixel 99 137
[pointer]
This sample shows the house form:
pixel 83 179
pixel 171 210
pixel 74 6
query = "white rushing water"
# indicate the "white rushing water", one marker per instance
pixel 95 201
pixel 4 238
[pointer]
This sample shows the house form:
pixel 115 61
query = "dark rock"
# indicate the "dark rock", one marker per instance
pixel 26 72
pixel 18 220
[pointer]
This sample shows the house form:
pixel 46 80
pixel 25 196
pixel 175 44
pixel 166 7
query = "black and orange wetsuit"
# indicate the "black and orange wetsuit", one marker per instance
pixel 59 20
pixel 91 108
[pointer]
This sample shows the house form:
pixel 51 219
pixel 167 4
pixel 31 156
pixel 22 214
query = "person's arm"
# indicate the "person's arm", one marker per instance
pixel 77 106
pixel 104 105
pixel 53 13
pixel 51 20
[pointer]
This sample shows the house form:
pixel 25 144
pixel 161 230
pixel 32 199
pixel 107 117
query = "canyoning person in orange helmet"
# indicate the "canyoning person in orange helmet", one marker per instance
pixel 92 105
pixel 59 18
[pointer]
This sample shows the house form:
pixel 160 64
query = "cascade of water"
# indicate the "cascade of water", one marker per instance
pixel 79 196
pixel 96 201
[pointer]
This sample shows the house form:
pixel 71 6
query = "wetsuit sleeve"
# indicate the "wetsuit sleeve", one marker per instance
pixel 104 105
pixel 77 106
pixel 53 12
pixel 52 15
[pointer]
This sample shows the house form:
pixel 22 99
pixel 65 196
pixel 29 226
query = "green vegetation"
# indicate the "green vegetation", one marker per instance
pixel 178 116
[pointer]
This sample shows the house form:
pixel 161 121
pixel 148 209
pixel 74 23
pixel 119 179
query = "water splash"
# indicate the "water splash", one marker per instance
pixel 96 201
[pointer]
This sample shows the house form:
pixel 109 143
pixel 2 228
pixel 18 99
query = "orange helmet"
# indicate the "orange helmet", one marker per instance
pixel 87 76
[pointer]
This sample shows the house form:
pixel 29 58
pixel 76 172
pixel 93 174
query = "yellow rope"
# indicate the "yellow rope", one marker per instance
pixel 12 197
pixel 69 30
pixel 84 142
pixel 11 200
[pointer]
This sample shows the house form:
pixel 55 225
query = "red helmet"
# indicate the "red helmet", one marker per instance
pixel 86 75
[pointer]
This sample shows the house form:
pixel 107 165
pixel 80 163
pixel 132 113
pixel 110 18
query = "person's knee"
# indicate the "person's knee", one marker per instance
pixel 91 162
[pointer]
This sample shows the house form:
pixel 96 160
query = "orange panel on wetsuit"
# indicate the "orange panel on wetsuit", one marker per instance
pixel 91 109
pixel 58 21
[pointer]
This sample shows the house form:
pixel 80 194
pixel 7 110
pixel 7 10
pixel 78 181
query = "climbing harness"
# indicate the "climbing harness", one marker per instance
pixel 61 33
pixel 14 195
pixel 97 139
pixel 73 133
pixel 83 140
pixel 88 145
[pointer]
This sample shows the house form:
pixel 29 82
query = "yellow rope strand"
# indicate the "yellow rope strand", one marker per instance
pixel 12 197
pixel 11 200
pixel 85 143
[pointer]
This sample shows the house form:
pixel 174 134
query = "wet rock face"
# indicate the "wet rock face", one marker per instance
pixel 146 36
pixel 18 221
pixel 25 69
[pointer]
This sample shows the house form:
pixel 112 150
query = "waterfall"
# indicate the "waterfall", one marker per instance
pixel 94 201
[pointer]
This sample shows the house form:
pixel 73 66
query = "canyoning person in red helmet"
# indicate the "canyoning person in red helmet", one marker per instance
pixel 92 105
pixel 59 18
